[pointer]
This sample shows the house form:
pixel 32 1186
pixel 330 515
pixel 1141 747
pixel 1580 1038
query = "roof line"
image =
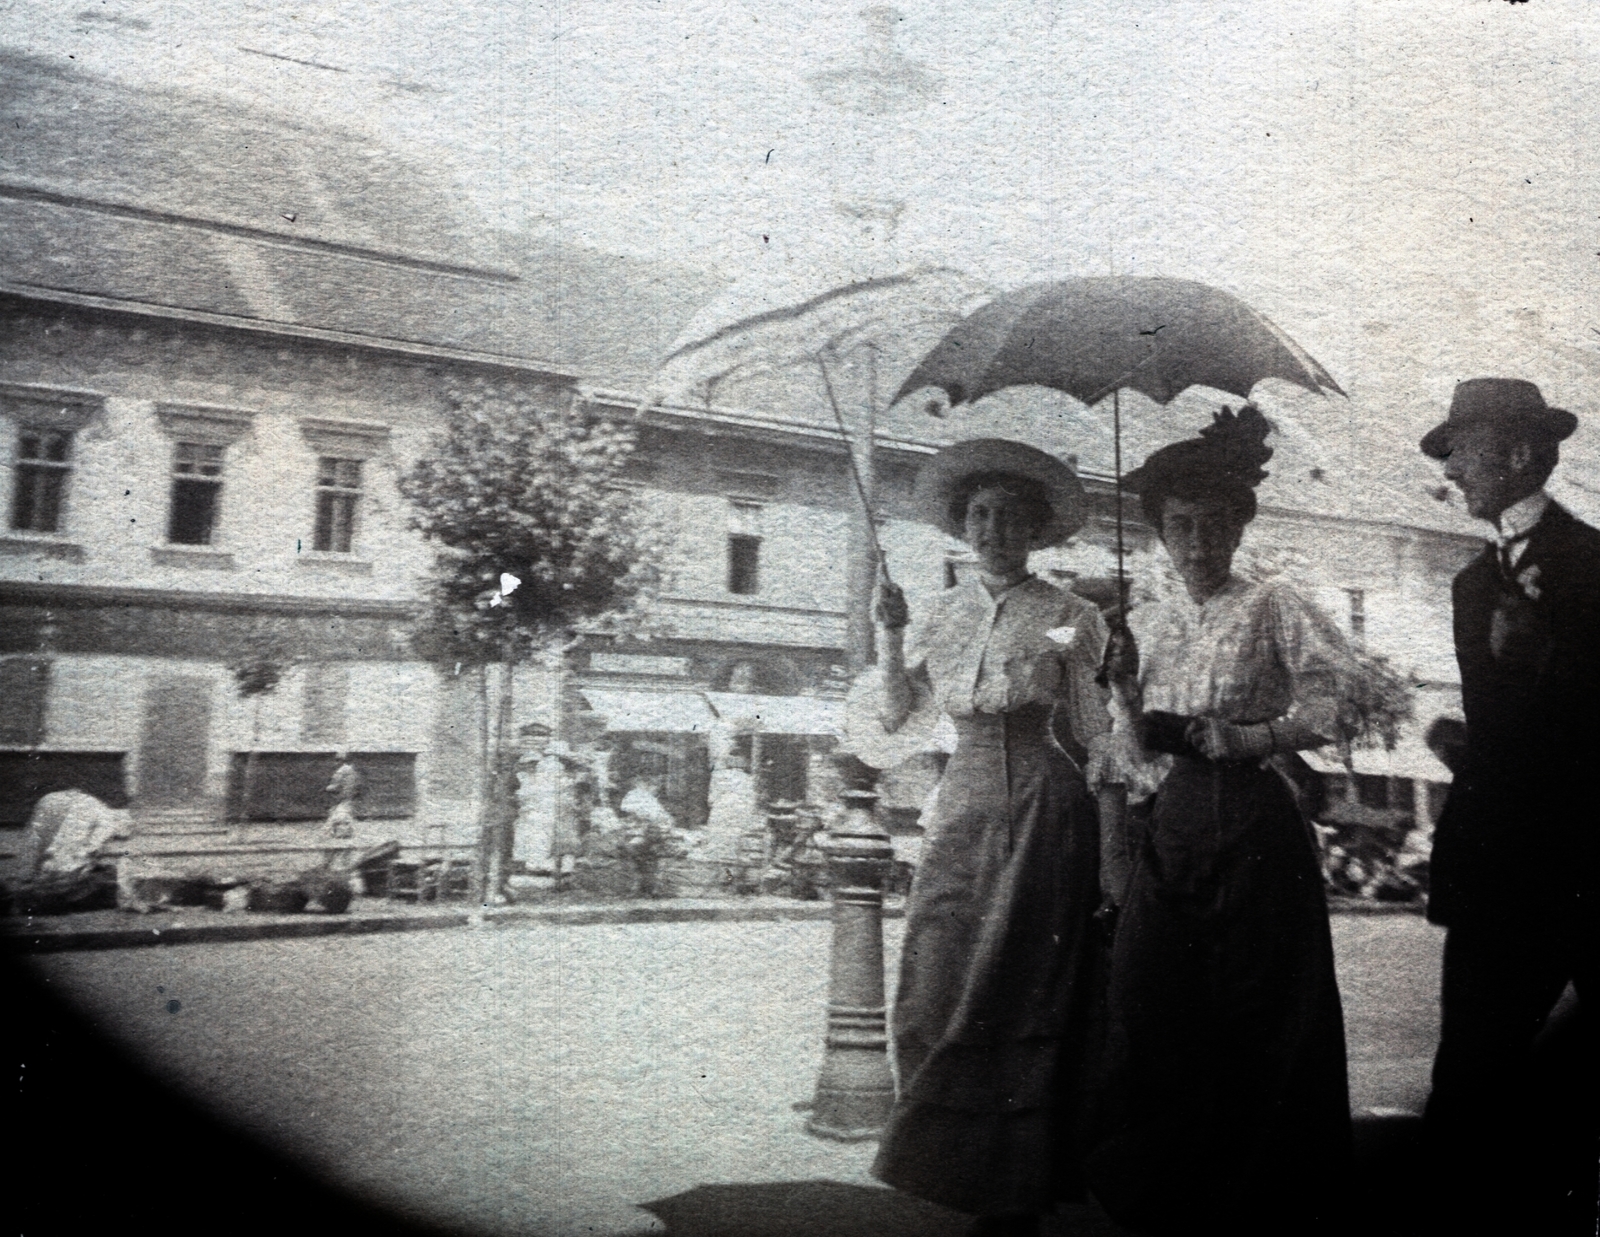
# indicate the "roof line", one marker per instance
pixel 748 420
pixel 378 343
pixel 24 192
pixel 921 446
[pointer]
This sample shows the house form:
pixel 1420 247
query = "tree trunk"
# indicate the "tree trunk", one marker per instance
pixel 482 874
pixel 502 800
pixel 248 793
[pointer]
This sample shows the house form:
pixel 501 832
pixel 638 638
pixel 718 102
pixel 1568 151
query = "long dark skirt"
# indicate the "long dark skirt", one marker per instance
pixel 1226 1099
pixel 999 978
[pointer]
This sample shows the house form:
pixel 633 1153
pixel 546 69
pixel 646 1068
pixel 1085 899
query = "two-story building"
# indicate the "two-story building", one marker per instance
pixel 225 337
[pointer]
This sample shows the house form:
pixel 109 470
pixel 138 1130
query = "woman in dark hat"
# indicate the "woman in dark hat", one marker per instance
pixel 998 980
pixel 1225 1094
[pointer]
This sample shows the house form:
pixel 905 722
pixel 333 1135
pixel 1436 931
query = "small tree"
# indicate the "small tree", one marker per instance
pixel 1381 701
pixel 525 485
pixel 256 674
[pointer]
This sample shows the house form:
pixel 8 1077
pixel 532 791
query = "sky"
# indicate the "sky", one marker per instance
pixel 1409 187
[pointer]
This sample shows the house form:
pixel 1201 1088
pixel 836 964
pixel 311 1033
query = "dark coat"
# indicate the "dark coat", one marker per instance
pixel 1517 835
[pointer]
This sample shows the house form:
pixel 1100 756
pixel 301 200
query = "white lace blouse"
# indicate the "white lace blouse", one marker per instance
pixel 1252 652
pixel 1033 644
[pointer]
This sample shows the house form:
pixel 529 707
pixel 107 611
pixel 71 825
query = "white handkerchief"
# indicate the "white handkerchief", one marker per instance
pixel 1062 635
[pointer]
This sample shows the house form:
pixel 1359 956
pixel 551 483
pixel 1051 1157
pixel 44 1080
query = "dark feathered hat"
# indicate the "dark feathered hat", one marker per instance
pixel 1228 454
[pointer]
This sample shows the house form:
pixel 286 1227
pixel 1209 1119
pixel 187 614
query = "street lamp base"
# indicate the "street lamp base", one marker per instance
pixel 843 1135
pixel 849 1114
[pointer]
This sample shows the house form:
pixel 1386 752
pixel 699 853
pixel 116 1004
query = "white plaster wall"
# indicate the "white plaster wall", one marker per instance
pixel 94 703
pixel 118 494
pixel 390 706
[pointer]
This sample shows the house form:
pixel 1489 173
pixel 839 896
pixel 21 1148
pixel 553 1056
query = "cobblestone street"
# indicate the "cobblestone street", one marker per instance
pixel 541 1079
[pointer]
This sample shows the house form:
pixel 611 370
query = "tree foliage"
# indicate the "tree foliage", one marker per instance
pixel 1381 699
pixel 525 481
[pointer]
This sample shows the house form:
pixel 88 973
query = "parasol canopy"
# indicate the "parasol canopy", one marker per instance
pixel 1095 335
pixel 797 321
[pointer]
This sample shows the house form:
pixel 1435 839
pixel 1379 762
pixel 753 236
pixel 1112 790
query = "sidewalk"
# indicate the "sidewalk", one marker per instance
pixel 114 929
pixel 187 925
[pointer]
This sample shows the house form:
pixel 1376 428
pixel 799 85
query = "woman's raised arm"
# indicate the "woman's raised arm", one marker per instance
pixel 893 614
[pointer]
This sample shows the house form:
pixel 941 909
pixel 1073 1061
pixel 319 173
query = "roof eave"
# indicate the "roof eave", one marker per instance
pixel 292 330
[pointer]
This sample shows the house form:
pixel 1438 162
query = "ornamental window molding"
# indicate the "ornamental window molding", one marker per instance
pixel 211 424
pixel 748 484
pixel 49 408
pixel 345 440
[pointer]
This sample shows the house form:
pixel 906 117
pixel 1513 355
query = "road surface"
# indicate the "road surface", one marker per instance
pixel 529 1079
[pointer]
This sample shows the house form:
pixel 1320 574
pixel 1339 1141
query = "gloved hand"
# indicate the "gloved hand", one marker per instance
pixel 891 611
pixel 1120 667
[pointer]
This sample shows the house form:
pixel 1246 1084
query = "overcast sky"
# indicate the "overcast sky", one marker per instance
pixel 1409 187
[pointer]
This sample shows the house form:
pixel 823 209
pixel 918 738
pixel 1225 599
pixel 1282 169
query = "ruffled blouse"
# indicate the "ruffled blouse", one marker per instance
pixel 1033 644
pixel 1252 652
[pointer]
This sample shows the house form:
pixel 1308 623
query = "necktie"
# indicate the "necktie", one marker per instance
pixel 1506 549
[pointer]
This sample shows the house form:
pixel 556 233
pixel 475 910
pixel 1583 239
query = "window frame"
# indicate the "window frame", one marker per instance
pixel 752 543
pixel 356 442
pixel 1358 616
pixel 335 494
pixel 209 427
pixel 206 455
pixel 42 410
pixel 41 466
pixel 742 556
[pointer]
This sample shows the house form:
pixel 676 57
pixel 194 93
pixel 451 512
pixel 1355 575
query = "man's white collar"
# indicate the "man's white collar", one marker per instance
pixel 1518 520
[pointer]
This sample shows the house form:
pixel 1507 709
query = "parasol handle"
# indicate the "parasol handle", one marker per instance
pixel 855 472
pixel 1116 447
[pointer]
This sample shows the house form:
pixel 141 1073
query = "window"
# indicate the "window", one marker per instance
pixel 744 564
pixel 44 458
pixel 338 492
pixel 744 547
pixel 196 491
pixel 1372 790
pixel 1358 616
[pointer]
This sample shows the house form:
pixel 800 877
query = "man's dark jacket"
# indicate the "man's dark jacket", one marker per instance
pixel 1517 835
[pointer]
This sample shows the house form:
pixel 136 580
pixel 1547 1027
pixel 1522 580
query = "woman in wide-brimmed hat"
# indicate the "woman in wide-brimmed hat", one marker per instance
pixel 999 974
pixel 1226 1103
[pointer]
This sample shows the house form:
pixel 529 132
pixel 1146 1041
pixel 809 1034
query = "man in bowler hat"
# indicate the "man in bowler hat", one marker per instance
pixel 1513 871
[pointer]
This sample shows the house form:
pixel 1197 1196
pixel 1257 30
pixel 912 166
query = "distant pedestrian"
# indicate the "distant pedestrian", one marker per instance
pixel 1513 874
pixel 732 803
pixel 346 787
pixel 650 832
pixel 553 816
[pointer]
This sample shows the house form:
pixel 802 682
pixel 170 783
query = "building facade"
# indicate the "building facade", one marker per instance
pixel 208 577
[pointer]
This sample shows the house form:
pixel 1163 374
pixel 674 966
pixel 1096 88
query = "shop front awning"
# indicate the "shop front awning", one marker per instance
pixel 669 712
pixel 799 715
pixel 1410 758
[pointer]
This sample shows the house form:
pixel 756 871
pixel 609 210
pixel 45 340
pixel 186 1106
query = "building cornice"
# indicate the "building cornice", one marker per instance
pixel 774 428
pixel 289 330
pixel 38 191
pixel 91 596
pixel 825 438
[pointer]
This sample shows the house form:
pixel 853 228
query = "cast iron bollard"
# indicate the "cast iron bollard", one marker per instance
pixel 855 1088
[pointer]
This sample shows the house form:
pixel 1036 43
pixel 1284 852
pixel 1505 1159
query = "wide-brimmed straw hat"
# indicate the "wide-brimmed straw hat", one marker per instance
pixel 1508 403
pixel 942 476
